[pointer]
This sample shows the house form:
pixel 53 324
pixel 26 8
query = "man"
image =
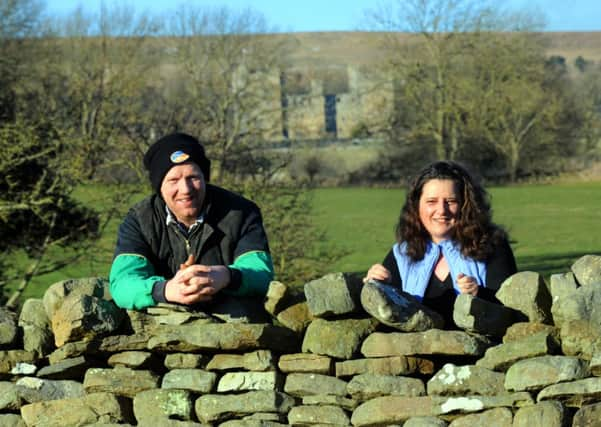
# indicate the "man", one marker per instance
pixel 190 243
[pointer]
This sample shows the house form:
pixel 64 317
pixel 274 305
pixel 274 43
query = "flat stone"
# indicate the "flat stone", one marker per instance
pixel 211 408
pixel 305 363
pixel 454 380
pixel 587 270
pixel 368 386
pixel 527 293
pixel 10 400
pixel 120 381
pixel 595 363
pixel 433 341
pixel 519 331
pixel 496 417
pixel 33 389
pixel 477 315
pixel 574 393
pixel 587 416
pixel 131 359
pixel 548 414
pixel 328 399
pixel 247 381
pixel 425 422
pixel 334 294
pixel 296 317
pixel 186 361
pixel 318 415
pixel 393 365
pixel 260 360
pixel 194 380
pixel 159 405
pixel 68 369
pixel 310 384
pixel 539 372
pixel 337 338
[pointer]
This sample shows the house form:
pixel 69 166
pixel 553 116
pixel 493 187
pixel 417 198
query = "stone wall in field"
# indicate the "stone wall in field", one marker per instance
pixel 73 358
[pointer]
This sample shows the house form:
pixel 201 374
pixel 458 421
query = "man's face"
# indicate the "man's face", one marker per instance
pixel 183 189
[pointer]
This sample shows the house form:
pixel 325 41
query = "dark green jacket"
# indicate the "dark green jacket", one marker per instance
pixel 149 251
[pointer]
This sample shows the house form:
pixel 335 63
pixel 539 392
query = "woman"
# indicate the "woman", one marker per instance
pixel 447 243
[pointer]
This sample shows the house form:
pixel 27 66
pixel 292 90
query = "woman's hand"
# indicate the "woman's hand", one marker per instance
pixel 378 272
pixel 467 284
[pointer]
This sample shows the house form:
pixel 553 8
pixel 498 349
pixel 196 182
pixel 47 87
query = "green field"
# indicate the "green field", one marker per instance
pixel 550 227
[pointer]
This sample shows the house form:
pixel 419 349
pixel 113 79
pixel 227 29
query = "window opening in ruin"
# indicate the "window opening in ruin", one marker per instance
pixel 330 114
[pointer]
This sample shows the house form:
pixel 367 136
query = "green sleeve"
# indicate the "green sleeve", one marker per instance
pixel 256 268
pixel 131 279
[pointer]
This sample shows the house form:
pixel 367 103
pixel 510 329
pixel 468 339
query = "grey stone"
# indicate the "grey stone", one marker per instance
pixel 337 338
pixel 332 295
pixel 120 381
pixel 37 334
pixel 68 369
pixel 132 359
pixel 393 365
pixel 588 416
pixel 57 292
pixel 8 327
pixel 475 314
pixel 539 372
pixel 33 314
pixel 310 384
pixel 318 415
pixel 502 356
pixel 37 389
pixel 9 359
pixel 595 364
pixel 548 414
pixel 195 380
pixel 247 381
pixel 260 360
pixel 562 285
pixel 83 317
pixel 425 422
pixel 434 341
pixel 10 400
pixel 496 417
pixel 211 408
pixel 224 336
pixel 397 309
pixel 305 362
pixel 328 399
pixel 575 393
pixel 185 361
pixel 158 405
pixel 367 386
pixel 587 270
pixel 89 409
pixel 519 331
pixel 11 420
pixel 527 293
pixel 454 380
pixel 580 338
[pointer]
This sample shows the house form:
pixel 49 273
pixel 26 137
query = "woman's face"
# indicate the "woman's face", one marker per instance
pixel 439 208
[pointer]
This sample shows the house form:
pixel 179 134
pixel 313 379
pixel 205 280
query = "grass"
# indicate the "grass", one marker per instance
pixel 550 226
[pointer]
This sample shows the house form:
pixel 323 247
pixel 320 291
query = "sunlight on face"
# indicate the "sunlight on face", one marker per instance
pixel 439 208
pixel 183 189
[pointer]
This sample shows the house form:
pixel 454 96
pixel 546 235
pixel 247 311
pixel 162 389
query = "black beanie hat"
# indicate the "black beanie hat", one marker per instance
pixel 170 151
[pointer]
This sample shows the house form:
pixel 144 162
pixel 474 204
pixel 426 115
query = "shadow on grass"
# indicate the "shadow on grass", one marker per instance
pixel 547 265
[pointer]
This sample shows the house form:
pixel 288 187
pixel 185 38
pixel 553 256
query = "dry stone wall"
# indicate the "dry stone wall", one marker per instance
pixel 336 354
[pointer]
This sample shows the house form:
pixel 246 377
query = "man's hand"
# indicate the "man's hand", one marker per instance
pixel 467 284
pixel 195 283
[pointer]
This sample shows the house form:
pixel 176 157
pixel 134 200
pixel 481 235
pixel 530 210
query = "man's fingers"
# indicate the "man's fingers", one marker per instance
pixel 188 263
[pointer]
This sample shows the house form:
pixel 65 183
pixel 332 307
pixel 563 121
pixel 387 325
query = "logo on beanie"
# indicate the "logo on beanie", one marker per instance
pixel 179 157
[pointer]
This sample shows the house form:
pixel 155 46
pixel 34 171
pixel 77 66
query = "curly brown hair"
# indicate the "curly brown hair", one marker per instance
pixel 475 232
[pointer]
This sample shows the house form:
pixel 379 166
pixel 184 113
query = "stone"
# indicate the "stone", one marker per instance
pixel 24 369
pixel 397 309
pixel 10 400
pixel 450 406
pixel 89 409
pixel 9 359
pixel 496 417
pixel 587 270
pixel 33 389
pixel 307 415
pixel 296 317
pixel 159 405
pixel 334 294
pixel 83 317
pixel 68 369
pixel 454 380
pixel 562 285
pixel 247 381
pixel 368 386
pixel 132 359
pixel 300 385
pixel 580 338
pixel 393 365
pixel 37 334
pixel 587 416
pixel 185 361
pixel 224 336
pixel 502 356
pixel 527 293
pixel 425 422
pixel 57 292
pixel 305 362
pixel 260 360
pixel 388 410
pixel 194 380
pixel 582 304
pixel 477 315
pixel 434 341
pixel 595 363
pixel 337 338
pixel 574 393
pixel 548 414
pixel 539 372
pixel 521 330
pixel 275 298
pixel 120 381
pixel 211 408
pixel 328 399
pixel 8 327
pixel 11 420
